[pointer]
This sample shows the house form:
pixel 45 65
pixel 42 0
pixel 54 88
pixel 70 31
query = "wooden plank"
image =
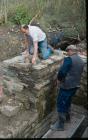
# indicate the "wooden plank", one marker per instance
pixel 85 134
pixel 70 128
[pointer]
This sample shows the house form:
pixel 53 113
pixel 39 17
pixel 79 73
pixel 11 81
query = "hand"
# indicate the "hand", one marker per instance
pixel 33 60
pixel 25 53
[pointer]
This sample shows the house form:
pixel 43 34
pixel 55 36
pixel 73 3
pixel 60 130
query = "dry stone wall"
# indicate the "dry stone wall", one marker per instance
pixel 81 95
pixel 29 97
pixel 27 103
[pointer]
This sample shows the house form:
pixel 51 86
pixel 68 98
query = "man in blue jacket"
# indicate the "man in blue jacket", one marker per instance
pixel 69 76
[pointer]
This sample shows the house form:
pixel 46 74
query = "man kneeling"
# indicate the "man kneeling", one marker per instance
pixel 39 41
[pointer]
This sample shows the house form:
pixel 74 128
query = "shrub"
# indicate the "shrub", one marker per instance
pixel 21 15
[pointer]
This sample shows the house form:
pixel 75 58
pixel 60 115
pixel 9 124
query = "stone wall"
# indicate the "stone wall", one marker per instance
pixel 29 97
pixel 27 106
pixel 81 95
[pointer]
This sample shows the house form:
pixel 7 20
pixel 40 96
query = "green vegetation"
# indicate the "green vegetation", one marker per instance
pixel 61 13
pixel 21 16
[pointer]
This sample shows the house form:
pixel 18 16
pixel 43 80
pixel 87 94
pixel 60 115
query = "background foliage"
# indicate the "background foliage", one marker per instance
pixel 67 14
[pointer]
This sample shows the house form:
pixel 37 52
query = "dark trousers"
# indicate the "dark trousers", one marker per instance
pixel 64 99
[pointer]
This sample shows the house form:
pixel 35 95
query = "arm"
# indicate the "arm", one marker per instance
pixel 64 68
pixel 26 42
pixel 35 52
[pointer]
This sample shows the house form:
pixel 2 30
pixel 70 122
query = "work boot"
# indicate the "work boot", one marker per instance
pixel 59 125
pixel 68 119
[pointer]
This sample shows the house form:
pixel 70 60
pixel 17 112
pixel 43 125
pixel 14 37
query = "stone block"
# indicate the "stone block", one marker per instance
pixel 4 133
pixel 17 128
pixel 47 61
pixel 10 108
pixel 41 85
pixel 13 86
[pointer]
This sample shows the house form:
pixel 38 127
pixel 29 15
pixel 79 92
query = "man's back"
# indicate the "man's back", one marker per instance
pixel 73 76
pixel 36 33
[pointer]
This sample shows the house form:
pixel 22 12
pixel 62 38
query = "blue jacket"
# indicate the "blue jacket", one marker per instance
pixel 70 72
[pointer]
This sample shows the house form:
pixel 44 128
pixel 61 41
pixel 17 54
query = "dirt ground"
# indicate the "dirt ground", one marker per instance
pixel 10 42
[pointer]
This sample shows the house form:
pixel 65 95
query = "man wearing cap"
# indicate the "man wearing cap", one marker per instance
pixel 69 76
pixel 38 39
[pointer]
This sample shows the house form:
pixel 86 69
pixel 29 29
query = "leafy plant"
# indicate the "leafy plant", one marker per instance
pixel 21 16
